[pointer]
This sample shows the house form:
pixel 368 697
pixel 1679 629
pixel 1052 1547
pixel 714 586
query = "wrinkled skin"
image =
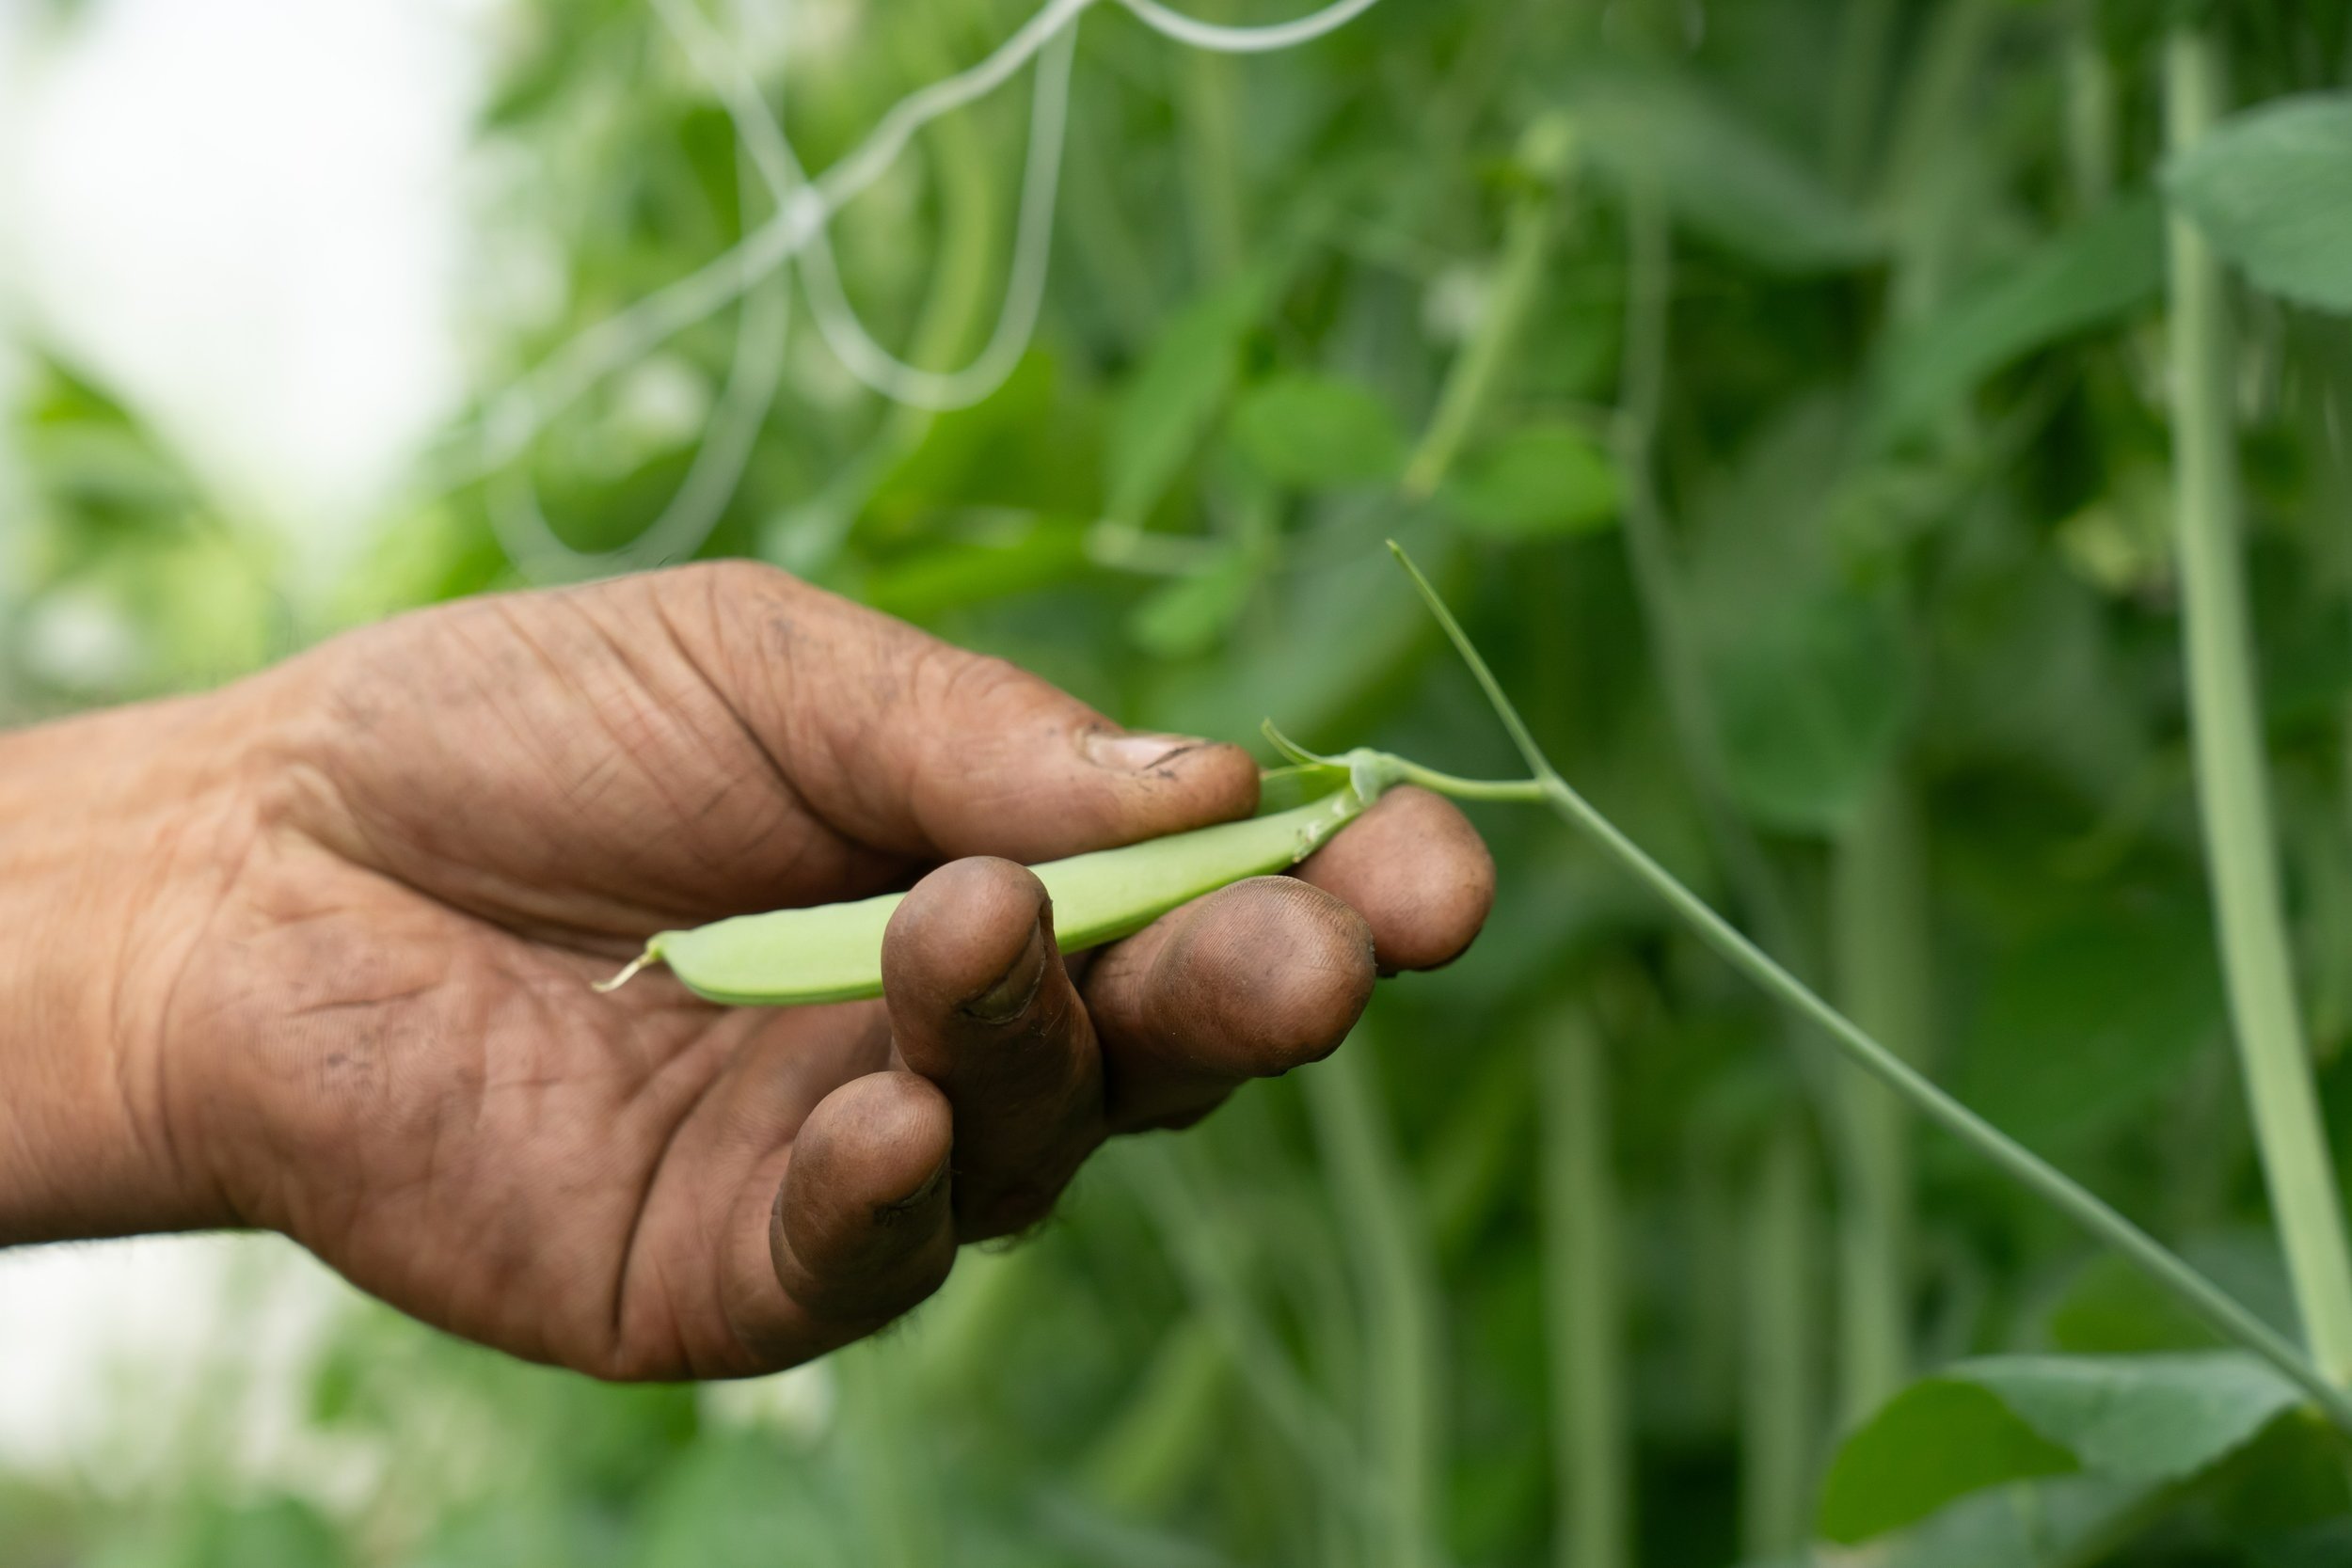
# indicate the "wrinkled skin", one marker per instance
pixel 313 953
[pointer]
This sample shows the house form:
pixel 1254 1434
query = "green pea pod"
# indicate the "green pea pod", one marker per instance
pixel 832 953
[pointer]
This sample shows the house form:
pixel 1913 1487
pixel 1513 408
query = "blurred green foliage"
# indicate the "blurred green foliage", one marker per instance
pixel 1776 388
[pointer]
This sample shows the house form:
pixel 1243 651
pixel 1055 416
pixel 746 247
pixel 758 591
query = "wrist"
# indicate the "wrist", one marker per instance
pixel 110 832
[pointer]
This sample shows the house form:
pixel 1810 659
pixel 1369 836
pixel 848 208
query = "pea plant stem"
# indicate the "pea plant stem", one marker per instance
pixel 1880 952
pixel 2199 1295
pixel 1709 1183
pixel 2090 112
pixel 1207 95
pixel 1659 578
pixel 1153 1446
pixel 970 224
pixel 1471 383
pixel 1779 1432
pixel 1212 1276
pixel 1865 38
pixel 1878 903
pixel 1396 1280
pixel 893 1482
pixel 1916 199
pixel 1104 242
pixel 2233 786
pixel 1776 1481
pixel 1583 1298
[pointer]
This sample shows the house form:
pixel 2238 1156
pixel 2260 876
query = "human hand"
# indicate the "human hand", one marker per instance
pixel 316 956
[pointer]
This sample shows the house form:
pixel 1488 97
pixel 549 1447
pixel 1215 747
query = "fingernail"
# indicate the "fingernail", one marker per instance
pixel 1135 753
pixel 1009 997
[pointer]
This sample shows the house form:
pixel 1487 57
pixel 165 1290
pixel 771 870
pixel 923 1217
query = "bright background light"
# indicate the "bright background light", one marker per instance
pixel 247 218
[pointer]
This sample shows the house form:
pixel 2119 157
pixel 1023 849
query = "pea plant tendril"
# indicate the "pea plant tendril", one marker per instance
pixel 2211 1305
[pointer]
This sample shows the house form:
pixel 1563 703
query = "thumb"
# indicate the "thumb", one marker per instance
pixel 908 744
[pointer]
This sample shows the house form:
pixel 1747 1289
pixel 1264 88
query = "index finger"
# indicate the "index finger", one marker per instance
pixel 902 742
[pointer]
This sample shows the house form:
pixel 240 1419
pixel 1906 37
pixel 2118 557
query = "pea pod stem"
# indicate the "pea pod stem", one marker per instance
pixel 2212 1305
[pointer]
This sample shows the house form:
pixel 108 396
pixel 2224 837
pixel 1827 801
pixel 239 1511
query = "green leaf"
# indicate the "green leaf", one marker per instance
pixel 2157 1419
pixel 1725 178
pixel 2110 1309
pixel 1194 613
pixel 2328 1546
pixel 2086 1021
pixel 1937 1440
pixel 1317 433
pixel 2291 1476
pixel 1175 394
pixel 528 1529
pixel 1036 552
pixel 2083 277
pixel 1811 705
pixel 734 1501
pixel 1328 637
pixel 2053 1522
pixel 1799 622
pixel 278 1533
pixel 1538 483
pixel 1029 447
pixel 2272 189
pixel 2148 1420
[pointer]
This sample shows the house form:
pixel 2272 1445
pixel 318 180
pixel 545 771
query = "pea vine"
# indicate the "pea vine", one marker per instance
pixel 2166 1269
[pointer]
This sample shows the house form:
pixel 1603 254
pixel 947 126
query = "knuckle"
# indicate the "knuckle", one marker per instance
pixel 954 680
pixel 733 578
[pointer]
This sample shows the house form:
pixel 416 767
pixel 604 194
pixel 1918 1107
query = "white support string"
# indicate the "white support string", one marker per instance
pixel 1247 40
pixel 771 152
pixel 1024 283
pixel 702 499
pixel 515 418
